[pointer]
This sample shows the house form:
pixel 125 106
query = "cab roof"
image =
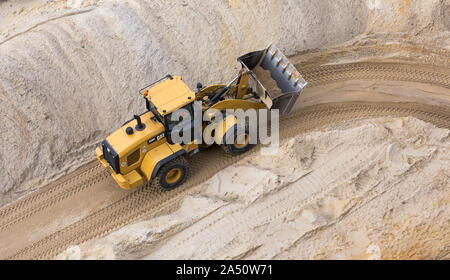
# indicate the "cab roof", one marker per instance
pixel 170 94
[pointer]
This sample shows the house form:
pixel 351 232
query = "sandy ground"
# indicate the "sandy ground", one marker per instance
pixel 375 91
pixel 368 189
pixel 82 60
pixel 323 196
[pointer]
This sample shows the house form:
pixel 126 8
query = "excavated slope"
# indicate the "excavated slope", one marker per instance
pixel 70 70
pixel 71 76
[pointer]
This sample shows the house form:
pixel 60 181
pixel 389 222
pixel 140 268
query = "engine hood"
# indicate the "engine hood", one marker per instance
pixel 123 143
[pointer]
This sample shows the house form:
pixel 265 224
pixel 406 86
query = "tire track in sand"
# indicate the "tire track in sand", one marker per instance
pixel 145 201
pixel 63 189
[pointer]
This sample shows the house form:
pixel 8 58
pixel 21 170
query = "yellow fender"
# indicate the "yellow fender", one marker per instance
pixel 238 104
pixel 223 127
pixel 157 157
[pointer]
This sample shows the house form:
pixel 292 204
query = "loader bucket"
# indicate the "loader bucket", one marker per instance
pixel 274 79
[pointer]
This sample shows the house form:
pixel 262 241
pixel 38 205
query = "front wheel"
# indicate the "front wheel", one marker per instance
pixel 172 174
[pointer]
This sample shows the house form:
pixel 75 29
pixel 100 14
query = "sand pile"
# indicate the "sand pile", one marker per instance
pixel 384 196
pixel 70 70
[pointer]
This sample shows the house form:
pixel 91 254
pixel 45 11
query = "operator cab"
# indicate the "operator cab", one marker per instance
pixel 167 95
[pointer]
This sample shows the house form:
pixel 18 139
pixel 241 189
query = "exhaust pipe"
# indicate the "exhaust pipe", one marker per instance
pixel 140 126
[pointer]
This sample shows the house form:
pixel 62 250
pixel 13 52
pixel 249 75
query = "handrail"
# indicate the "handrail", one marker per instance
pixel 168 76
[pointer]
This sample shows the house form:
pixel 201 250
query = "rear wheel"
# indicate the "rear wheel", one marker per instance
pixel 241 143
pixel 172 174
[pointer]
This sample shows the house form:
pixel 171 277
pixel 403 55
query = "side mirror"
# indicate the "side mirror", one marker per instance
pixel 199 86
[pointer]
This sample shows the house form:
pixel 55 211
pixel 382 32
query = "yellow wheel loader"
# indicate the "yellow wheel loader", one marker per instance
pixel 143 149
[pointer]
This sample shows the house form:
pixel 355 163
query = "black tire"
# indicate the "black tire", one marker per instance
pixel 165 180
pixel 234 149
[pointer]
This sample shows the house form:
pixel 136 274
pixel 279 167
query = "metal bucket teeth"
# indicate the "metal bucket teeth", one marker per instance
pixel 281 62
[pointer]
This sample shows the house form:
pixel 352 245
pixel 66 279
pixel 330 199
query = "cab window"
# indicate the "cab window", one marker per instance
pixel 171 124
